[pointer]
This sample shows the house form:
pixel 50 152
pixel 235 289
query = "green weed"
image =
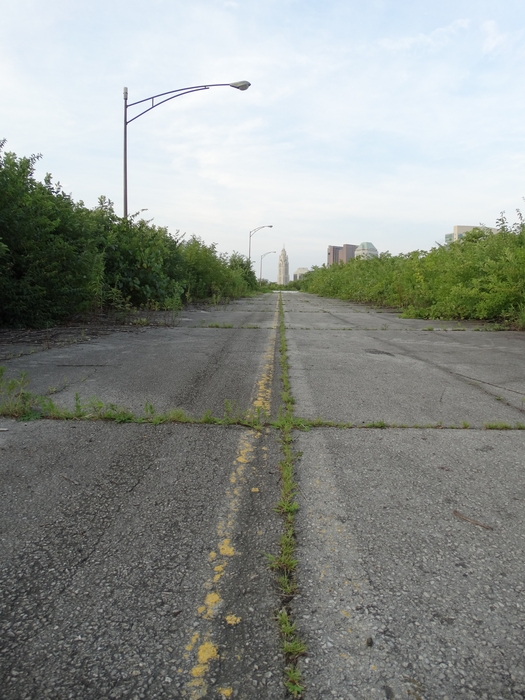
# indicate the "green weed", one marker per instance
pixel 494 327
pixel 284 563
pixel 294 648
pixel 479 277
pixel 15 400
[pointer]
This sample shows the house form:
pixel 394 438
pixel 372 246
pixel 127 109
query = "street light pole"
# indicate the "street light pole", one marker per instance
pixel 171 95
pixel 252 232
pixel 125 152
pixel 263 256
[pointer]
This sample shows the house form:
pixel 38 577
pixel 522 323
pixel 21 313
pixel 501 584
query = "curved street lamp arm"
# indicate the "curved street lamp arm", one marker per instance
pixel 262 258
pixel 259 228
pixel 241 85
pixel 186 91
pixel 238 85
pixel 250 238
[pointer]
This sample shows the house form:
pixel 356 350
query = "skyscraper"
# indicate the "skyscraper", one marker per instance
pixel 299 273
pixel 340 253
pixel 283 271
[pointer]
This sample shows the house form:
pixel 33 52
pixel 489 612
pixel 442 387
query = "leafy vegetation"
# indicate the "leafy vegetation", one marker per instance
pixel 59 258
pixel 481 276
pixel 285 564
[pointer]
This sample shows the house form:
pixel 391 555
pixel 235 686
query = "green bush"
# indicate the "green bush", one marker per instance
pixel 58 258
pixel 481 276
pixel 51 262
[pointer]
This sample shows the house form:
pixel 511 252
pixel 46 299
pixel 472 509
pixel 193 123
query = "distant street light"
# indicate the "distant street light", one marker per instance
pixel 263 256
pixel 250 239
pixel 239 85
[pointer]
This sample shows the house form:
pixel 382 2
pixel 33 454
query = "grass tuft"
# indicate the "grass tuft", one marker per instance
pixel 284 564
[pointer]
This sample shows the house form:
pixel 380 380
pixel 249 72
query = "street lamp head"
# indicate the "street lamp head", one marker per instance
pixel 241 85
pixel 156 101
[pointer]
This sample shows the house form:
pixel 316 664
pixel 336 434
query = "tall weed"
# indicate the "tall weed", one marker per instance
pixel 481 276
pixel 59 258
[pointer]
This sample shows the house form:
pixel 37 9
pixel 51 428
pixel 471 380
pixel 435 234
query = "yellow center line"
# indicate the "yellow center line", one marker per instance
pixel 201 647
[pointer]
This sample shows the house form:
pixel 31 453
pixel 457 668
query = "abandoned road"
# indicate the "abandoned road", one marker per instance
pixel 134 554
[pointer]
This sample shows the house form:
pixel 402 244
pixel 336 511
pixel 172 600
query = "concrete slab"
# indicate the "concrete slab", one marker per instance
pixel 318 313
pixel 412 550
pixel 413 378
pixel 493 361
pixel 188 368
pixel 106 540
pixel 252 313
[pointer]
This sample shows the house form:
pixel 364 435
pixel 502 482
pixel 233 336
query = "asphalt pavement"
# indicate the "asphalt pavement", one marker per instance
pixel 411 539
pixel 134 555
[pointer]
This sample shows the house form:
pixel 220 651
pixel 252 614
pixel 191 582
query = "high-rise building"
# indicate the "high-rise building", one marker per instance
pixel 299 273
pixel 460 231
pixel 283 271
pixel 340 253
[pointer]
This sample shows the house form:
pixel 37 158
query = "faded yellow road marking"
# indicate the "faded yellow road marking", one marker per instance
pixel 207 651
pixel 232 619
pixel 194 640
pixel 226 549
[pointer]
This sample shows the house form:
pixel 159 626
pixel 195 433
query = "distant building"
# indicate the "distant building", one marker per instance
pixel 366 250
pixel 340 253
pixel 299 273
pixel 283 271
pixel 460 231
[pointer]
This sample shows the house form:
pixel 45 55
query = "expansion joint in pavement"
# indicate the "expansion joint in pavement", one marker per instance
pixel 202 647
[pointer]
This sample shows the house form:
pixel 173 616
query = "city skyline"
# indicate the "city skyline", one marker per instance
pixel 406 136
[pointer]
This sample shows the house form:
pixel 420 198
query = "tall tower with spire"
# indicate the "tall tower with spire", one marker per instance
pixel 283 271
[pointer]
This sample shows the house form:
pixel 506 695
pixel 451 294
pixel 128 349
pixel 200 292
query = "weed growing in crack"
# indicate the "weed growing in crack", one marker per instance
pixel 15 400
pixel 233 415
pixel 284 564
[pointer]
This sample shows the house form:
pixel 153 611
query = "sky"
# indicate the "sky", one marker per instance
pixel 387 121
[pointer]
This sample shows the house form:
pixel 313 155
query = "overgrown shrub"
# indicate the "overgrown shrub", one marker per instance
pixel 58 258
pixel 481 276
pixel 51 262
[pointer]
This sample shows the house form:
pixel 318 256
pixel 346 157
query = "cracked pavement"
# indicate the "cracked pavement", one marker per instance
pixel 133 555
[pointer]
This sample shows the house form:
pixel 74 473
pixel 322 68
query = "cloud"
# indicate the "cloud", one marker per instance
pixel 493 37
pixel 380 121
pixel 436 39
